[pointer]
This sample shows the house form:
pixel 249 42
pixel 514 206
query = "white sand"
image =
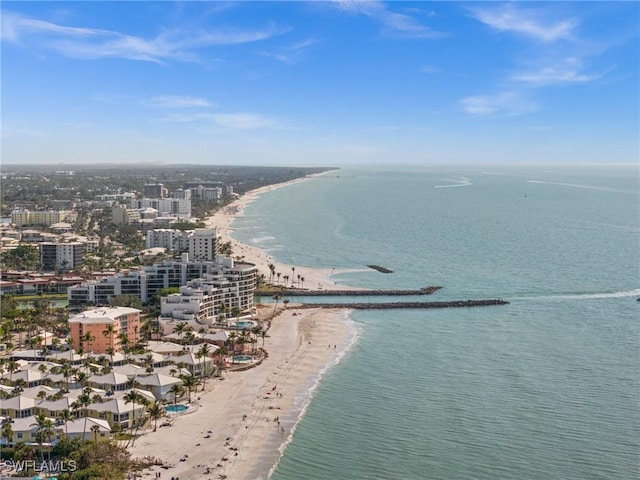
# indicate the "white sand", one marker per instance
pixel 300 347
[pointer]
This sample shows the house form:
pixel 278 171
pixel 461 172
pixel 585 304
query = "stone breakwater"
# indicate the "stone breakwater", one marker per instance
pixel 295 292
pixel 391 305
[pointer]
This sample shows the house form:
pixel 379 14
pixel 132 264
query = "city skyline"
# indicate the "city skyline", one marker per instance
pixel 319 83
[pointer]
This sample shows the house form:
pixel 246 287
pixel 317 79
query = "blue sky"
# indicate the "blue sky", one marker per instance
pixel 320 83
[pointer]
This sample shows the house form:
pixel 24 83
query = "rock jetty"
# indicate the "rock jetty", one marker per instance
pixel 392 305
pixel 296 292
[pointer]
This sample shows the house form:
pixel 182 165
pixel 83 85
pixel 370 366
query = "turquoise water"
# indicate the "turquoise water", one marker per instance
pixel 244 324
pixel 242 359
pixel 545 387
pixel 176 408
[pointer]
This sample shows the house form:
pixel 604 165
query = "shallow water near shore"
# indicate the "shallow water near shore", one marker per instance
pixel 545 387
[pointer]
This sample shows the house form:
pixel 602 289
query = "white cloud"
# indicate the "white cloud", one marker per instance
pixel 527 22
pixel 177 101
pixel 568 72
pixel 244 121
pixel 90 43
pixel 292 53
pixel 508 103
pixel 394 24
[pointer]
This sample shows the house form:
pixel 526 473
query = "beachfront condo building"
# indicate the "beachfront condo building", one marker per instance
pixel 201 244
pixel 237 281
pixel 99 329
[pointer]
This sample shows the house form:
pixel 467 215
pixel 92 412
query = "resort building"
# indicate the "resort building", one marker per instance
pixel 100 329
pixel 86 429
pixel 196 301
pixel 236 281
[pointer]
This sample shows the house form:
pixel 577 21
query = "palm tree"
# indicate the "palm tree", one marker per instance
pixel 111 351
pixel 203 352
pixel 301 282
pixel 66 416
pixel 272 271
pixel 85 400
pixel 222 351
pixel 81 378
pixel 279 277
pixel 293 275
pixel 12 367
pixel 45 431
pixel 276 297
pixel 7 431
pixel 176 389
pixel 95 428
pixel 132 397
pixel 232 344
pixel 88 337
pixel 156 411
pixel 180 329
pixel 108 332
pixel 189 382
pixel 66 371
pixel 124 341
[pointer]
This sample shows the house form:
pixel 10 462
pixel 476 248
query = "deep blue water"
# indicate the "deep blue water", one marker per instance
pixel 545 387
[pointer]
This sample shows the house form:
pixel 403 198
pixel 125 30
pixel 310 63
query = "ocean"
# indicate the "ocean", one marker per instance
pixel 546 387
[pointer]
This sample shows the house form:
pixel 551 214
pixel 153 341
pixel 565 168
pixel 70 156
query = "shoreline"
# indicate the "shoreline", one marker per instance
pixel 241 425
pixel 314 277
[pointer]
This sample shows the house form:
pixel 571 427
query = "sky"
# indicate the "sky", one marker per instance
pixel 328 83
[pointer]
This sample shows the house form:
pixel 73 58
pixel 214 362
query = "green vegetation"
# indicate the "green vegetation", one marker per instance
pixel 23 257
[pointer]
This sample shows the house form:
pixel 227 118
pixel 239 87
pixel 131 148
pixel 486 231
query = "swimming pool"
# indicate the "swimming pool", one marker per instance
pixel 175 408
pixel 242 359
pixel 245 324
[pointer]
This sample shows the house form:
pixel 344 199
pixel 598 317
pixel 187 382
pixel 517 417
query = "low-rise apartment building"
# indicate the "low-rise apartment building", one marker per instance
pixel 100 329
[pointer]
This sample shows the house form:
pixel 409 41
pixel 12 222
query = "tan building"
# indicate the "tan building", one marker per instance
pixel 45 217
pixel 91 330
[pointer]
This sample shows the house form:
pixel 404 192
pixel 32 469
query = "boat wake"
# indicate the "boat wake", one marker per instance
pixel 574 185
pixel 585 296
pixel 462 182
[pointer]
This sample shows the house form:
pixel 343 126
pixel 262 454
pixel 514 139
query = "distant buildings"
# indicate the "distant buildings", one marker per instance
pixel 44 218
pixel 177 207
pixel 100 329
pixel 61 257
pixel 155 190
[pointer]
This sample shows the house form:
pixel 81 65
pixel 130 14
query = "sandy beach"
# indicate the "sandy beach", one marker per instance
pixel 237 427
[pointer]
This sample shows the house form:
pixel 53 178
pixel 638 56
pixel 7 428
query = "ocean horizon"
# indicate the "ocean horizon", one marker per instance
pixel 544 387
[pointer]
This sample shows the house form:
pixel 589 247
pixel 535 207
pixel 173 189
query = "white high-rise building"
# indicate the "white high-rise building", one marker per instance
pixel 203 244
